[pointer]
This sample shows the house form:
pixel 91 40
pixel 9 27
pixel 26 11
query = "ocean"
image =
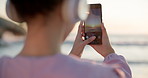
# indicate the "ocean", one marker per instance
pixel 133 47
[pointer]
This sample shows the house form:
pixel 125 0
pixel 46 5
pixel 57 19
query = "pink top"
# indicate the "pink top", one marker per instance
pixel 62 66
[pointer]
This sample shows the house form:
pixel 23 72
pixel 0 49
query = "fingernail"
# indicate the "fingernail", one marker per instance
pixel 93 37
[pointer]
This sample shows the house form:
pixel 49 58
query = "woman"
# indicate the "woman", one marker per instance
pixel 41 57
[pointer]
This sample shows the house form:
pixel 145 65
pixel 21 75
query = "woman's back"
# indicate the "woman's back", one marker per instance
pixel 48 27
pixel 58 66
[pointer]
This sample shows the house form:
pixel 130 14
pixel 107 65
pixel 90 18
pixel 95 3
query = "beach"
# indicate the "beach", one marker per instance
pixel 134 48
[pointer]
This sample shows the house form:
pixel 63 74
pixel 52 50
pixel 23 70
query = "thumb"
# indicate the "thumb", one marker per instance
pixel 120 73
pixel 89 40
pixel 79 30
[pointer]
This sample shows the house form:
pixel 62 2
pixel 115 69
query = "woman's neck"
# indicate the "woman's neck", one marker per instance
pixel 43 38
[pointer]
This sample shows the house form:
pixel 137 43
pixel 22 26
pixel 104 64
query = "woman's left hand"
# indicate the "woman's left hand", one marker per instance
pixel 79 43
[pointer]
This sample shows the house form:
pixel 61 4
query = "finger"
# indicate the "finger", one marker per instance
pixel 103 28
pixel 120 73
pixel 80 27
pixel 88 40
pixel 80 31
pixel 104 32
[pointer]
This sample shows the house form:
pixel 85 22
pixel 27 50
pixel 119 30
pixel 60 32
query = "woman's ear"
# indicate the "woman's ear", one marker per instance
pixel 12 13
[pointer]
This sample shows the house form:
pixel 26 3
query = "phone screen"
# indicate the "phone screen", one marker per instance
pixel 93 23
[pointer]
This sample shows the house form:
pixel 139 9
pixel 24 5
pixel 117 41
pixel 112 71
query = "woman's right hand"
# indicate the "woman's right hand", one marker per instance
pixel 79 43
pixel 105 48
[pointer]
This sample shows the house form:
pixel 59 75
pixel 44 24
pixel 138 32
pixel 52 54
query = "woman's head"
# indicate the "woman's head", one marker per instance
pixel 49 22
pixel 27 9
pixel 64 12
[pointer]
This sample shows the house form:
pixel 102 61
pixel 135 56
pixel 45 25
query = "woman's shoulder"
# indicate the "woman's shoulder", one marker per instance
pixel 60 62
pixel 90 68
pixel 84 63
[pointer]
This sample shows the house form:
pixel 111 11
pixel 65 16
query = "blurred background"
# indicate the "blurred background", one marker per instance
pixel 125 20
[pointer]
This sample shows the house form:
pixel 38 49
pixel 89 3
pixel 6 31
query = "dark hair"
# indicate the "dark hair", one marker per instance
pixel 29 8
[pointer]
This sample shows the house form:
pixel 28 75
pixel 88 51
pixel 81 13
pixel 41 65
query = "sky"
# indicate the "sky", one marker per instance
pixel 119 16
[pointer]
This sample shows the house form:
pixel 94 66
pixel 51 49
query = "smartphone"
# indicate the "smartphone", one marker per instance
pixel 92 25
